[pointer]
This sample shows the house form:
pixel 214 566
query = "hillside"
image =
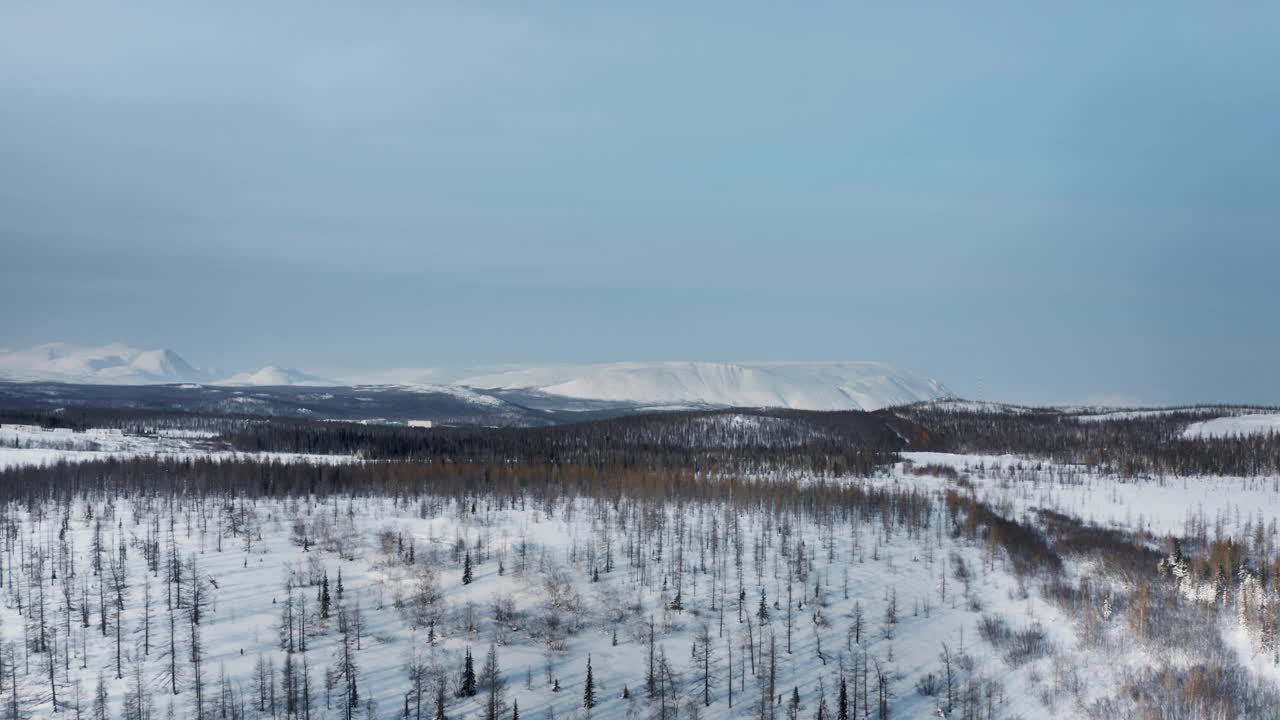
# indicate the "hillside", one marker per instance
pixel 554 388
pixel 795 385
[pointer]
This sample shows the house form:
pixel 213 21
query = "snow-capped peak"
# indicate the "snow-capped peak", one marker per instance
pixel 275 375
pixel 115 364
pixel 797 385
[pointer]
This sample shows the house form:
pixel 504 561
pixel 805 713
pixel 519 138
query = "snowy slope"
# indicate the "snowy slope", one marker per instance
pixel 109 364
pixel 27 446
pixel 1234 426
pixel 798 385
pixel 120 364
pixel 273 375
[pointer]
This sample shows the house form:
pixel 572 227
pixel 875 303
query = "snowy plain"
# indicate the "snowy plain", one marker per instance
pixel 1239 425
pixel 27 445
pixel 535 595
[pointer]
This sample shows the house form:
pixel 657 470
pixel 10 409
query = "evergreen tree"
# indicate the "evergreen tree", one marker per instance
pixel 515 710
pixel 589 692
pixel 325 599
pixel 466 569
pixel 762 612
pixel 468 687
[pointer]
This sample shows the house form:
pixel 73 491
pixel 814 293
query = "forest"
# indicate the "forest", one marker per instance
pixel 746 563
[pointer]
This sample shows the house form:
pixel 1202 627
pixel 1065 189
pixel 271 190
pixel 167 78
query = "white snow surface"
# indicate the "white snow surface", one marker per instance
pixel 246 585
pixel 957 405
pixel 1239 425
pixel 852 563
pixel 1106 415
pixel 28 445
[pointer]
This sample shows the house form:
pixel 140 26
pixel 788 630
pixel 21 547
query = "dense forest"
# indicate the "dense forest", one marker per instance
pixel 741 440
pixel 726 441
pixel 1140 444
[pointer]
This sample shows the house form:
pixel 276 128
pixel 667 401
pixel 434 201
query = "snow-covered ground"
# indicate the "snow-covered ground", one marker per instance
pixel 1159 506
pixel 536 596
pixel 538 564
pixel 28 445
pixel 1260 424
pixel 958 405
pixel 1140 414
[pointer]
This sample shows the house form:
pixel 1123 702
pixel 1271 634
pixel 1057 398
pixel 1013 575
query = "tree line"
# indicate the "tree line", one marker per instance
pixel 1128 446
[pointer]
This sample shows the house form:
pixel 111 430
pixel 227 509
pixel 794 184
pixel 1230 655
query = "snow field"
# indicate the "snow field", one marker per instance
pixel 28 445
pixel 243 618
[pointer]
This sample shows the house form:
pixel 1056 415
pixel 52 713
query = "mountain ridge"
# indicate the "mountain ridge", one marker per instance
pixel 798 385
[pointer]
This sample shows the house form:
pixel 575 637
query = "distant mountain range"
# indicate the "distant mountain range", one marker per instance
pixel 119 364
pixel 115 364
pixel 795 385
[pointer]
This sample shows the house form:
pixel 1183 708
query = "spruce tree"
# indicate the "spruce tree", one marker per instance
pixel 468 688
pixel 466 569
pixel 589 692
pixel 325 599
pixel 515 710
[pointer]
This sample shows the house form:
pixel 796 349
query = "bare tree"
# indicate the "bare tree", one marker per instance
pixel 119 579
pixel 705 648
pixel 493 685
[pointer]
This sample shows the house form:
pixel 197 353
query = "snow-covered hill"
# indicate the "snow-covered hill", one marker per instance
pixel 273 375
pixel 1235 426
pixel 115 364
pixel 797 385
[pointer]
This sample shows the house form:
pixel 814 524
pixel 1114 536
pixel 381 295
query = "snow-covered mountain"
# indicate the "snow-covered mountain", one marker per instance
pixel 797 385
pixel 119 364
pixel 273 375
pixel 114 364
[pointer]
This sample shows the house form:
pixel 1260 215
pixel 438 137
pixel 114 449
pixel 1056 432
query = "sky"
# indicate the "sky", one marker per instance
pixel 1031 202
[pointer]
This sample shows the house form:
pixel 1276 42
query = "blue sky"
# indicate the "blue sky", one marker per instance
pixel 1037 203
